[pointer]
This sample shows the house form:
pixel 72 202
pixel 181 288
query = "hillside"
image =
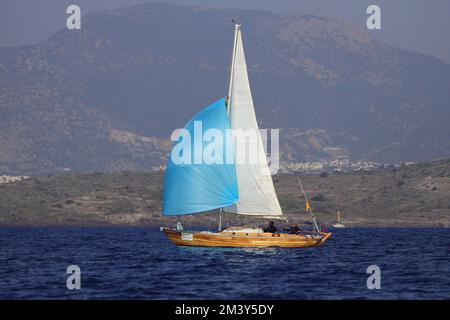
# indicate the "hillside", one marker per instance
pixel 106 97
pixel 408 195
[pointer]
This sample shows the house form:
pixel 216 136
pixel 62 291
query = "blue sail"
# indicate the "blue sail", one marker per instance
pixel 191 184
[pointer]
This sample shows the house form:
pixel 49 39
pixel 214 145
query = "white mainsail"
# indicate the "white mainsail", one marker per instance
pixel 256 191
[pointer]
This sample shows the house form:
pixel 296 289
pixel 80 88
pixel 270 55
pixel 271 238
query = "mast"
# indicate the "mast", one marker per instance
pixel 237 28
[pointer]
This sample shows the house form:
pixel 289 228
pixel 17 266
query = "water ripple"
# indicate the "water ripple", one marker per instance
pixel 140 263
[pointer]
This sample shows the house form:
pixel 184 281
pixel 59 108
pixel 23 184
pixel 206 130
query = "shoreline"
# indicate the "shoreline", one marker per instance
pixel 204 226
pixel 410 196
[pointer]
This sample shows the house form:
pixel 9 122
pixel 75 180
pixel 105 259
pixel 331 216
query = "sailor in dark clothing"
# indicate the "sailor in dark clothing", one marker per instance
pixel 294 229
pixel 271 228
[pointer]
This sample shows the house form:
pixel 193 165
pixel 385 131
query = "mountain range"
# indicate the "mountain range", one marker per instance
pixel 107 97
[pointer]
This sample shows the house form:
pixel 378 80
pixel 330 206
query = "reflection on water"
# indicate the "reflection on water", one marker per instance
pixel 215 250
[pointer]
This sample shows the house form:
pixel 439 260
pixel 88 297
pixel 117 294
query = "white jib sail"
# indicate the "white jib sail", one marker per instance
pixel 256 191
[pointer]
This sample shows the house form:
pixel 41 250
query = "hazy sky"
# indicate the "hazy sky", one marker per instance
pixel 418 25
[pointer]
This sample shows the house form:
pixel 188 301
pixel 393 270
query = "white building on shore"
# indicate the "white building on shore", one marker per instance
pixel 8 179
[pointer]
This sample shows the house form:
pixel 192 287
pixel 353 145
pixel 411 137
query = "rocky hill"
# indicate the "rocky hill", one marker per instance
pixel 415 195
pixel 106 97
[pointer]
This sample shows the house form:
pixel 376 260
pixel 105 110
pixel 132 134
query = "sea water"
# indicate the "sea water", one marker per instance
pixel 141 263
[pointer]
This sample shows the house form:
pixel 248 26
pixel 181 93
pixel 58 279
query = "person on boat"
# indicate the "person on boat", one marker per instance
pixel 294 229
pixel 271 228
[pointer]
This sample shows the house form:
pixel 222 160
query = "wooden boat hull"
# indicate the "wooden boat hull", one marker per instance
pixel 240 240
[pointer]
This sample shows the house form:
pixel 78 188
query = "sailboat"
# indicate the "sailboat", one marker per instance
pixel 338 223
pixel 239 187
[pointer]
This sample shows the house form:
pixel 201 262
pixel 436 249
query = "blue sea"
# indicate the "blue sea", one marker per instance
pixel 140 263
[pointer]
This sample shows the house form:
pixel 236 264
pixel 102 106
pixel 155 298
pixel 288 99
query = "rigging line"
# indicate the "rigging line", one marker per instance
pixel 309 206
pixel 270 105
